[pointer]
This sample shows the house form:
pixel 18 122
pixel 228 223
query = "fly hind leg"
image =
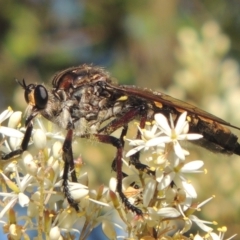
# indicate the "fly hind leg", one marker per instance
pixel 117 165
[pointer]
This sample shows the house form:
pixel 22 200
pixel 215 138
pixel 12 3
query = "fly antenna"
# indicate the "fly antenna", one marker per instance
pixel 22 84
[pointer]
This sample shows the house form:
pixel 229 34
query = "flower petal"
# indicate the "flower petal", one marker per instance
pixel 181 123
pixel 23 199
pixel 78 190
pixel 158 141
pixel 5 114
pixel 192 166
pixel 163 123
pixel 166 181
pixel 190 136
pixel 201 224
pixel 10 132
pixel 136 142
pixel 187 226
pixel 178 150
pixel 39 139
pixel 148 192
pixel 134 150
pixel 168 212
pixel 55 233
pixel 113 184
pixel 15 119
pixel 189 189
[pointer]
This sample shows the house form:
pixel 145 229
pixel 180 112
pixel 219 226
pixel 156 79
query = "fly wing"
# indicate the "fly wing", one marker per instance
pixel 164 99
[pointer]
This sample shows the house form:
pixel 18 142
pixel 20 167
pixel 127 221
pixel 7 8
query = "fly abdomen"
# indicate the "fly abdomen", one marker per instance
pixel 216 137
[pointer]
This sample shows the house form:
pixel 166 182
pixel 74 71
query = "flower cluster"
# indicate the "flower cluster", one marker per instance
pixel 32 182
pixel 166 196
pixel 206 72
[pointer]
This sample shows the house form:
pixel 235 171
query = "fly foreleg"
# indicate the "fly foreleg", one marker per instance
pixel 69 165
pixel 24 143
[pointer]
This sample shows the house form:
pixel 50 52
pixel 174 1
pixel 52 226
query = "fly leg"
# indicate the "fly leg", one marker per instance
pixel 122 121
pixel 25 141
pixel 68 165
pixel 134 159
pixel 67 157
pixel 119 144
pixel 114 163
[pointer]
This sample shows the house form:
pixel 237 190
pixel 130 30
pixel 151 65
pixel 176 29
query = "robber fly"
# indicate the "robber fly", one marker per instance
pixel 85 102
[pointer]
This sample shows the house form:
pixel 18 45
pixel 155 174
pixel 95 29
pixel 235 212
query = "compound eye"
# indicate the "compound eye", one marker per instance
pixel 40 96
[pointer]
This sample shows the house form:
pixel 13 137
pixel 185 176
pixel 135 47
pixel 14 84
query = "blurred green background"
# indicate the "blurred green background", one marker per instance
pixel 189 49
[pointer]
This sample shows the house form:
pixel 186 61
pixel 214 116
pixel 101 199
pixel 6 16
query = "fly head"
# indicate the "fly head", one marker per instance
pixel 35 95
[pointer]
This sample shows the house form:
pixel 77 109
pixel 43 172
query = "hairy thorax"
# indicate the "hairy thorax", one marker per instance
pixel 86 109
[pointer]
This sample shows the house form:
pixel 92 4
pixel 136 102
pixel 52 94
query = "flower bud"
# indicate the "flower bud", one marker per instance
pixel 39 139
pixel 15 119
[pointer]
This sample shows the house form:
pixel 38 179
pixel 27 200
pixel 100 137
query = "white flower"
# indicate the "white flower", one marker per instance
pixel 190 218
pixel 172 173
pixel 163 194
pixel 140 144
pixel 10 131
pixel 18 189
pixel 173 134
